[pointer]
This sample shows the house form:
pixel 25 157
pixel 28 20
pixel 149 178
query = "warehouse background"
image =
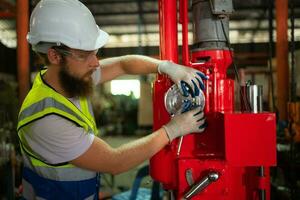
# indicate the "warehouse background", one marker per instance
pixel 125 113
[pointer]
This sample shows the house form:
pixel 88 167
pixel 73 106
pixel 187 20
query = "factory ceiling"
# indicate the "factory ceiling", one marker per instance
pixel 133 23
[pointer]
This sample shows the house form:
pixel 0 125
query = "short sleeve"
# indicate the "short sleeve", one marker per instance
pixel 57 139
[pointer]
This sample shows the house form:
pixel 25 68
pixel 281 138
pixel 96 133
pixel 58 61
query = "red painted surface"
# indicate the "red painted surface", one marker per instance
pixel 234 144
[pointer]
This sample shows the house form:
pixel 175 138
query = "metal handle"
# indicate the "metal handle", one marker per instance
pixel 262 191
pixel 202 184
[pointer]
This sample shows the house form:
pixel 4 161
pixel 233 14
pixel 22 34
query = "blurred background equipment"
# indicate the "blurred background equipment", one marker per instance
pixel 10 166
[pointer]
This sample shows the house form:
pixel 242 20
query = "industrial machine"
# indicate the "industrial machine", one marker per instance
pixel 230 160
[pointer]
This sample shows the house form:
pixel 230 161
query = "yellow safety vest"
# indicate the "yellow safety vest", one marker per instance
pixel 42 100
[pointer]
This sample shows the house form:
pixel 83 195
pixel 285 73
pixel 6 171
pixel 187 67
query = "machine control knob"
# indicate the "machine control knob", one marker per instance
pixel 176 103
pixel 202 184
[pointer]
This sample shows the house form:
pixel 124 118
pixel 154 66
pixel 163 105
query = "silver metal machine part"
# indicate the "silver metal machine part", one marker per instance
pixel 179 146
pixel 254 95
pixel 175 101
pixel 189 176
pixel 255 99
pixel 202 184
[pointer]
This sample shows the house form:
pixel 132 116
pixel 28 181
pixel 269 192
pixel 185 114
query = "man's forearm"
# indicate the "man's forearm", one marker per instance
pixel 137 64
pixel 130 64
pixel 136 152
pixel 103 158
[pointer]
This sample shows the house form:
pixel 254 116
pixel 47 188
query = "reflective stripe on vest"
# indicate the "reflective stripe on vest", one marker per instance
pixel 61 173
pixel 58 190
pixel 46 106
pixel 41 101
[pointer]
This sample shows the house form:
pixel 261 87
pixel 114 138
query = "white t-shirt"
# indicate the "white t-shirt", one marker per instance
pixel 57 139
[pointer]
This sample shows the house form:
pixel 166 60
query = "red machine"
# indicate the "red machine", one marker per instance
pixel 230 160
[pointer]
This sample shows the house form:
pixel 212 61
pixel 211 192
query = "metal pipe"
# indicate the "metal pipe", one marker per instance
pixel 270 20
pixel 184 21
pixel 22 48
pixel 167 27
pixel 262 191
pixel 282 57
pixel 254 94
pixel 202 184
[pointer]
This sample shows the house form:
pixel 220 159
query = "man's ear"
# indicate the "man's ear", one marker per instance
pixel 53 56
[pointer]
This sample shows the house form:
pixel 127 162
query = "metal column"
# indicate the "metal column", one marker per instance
pixel 167 27
pixel 282 57
pixel 22 47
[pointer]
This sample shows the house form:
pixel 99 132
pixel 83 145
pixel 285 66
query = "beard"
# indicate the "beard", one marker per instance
pixel 75 86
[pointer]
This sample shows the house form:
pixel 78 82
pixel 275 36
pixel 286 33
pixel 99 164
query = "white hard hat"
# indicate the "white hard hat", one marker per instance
pixel 67 22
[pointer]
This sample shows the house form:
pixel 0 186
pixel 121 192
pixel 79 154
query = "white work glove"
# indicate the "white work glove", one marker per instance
pixel 188 122
pixel 188 79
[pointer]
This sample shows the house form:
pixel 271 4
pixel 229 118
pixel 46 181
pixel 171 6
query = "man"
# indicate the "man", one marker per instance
pixel 56 127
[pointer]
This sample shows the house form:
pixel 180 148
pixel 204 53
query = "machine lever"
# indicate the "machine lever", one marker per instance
pixel 202 184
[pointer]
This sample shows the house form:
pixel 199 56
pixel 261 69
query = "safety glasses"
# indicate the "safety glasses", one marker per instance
pixel 78 55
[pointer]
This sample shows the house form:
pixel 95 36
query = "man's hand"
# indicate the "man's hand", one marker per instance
pixel 188 79
pixel 188 122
